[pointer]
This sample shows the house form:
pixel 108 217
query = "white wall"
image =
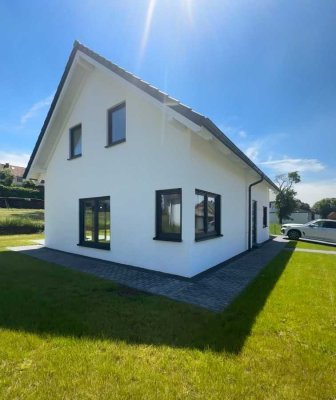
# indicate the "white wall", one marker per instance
pixel 157 154
pixel 212 171
pixel 152 158
pixel 260 193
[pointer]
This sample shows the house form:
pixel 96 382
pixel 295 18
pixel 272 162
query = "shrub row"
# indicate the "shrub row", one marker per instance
pixel 13 226
pixel 10 202
pixel 21 192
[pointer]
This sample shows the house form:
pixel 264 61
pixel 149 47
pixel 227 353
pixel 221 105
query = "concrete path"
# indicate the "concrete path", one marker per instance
pixel 312 251
pixel 214 289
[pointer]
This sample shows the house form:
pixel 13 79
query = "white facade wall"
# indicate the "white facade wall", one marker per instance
pixel 214 172
pixel 157 154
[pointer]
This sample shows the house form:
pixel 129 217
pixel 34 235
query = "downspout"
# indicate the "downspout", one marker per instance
pixel 250 210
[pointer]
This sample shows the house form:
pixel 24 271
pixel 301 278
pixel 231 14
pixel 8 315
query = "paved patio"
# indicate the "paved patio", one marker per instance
pixel 214 289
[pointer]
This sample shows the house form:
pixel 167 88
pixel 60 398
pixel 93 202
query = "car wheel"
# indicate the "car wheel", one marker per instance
pixel 294 235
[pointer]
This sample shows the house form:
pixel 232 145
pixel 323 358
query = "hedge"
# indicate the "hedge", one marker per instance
pixel 17 202
pixel 18 191
pixel 14 226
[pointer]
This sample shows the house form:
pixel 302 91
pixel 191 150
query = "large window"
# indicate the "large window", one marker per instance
pixel 169 215
pixel 94 222
pixel 207 215
pixel 75 141
pixel 116 120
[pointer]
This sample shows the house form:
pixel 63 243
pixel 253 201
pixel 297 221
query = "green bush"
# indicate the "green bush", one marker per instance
pixel 6 177
pixel 13 226
pixel 18 191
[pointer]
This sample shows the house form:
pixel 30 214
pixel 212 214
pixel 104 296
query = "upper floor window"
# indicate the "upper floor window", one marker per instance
pixel 116 120
pixel 207 215
pixel 169 215
pixel 76 141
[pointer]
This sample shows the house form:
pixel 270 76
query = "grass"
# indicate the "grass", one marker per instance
pixel 15 221
pixel 17 240
pixel 311 245
pixel 68 335
pixel 22 213
pixel 274 229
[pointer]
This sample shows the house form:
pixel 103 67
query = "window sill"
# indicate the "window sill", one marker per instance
pixel 166 239
pixel 207 237
pixel 114 143
pixel 95 246
pixel 73 157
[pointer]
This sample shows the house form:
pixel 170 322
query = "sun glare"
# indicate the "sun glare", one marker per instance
pixel 148 23
pixel 188 4
pixel 183 7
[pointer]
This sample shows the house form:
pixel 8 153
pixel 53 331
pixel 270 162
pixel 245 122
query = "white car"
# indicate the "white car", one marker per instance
pixel 320 229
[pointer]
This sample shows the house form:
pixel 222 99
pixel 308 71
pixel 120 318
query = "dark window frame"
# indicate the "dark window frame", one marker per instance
pixel 110 111
pixel 217 233
pixel 159 235
pixel 265 217
pixel 94 244
pixel 71 142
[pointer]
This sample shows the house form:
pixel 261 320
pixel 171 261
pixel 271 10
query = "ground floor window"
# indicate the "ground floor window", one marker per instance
pixel 265 213
pixel 169 215
pixel 94 222
pixel 207 215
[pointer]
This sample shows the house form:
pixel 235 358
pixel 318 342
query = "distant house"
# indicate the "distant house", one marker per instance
pixel 297 217
pixel 17 172
pixel 332 215
pixel 151 183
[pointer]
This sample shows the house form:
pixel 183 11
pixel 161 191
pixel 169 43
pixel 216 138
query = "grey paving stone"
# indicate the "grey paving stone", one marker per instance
pixel 213 290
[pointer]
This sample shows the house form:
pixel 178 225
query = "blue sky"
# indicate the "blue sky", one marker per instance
pixel 264 71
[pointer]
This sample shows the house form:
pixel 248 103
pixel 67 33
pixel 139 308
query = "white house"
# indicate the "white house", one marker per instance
pixel 16 171
pixel 135 177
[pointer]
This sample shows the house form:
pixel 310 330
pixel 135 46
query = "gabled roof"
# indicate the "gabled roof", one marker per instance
pixel 16 170
pixel 164 98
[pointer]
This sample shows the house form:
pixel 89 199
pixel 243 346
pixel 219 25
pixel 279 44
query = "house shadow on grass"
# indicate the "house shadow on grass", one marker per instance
pixel 41 298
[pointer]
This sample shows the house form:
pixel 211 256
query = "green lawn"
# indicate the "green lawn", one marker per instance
pixel 314 246
pixel 67 335
pixel 14 221
pixel 21 213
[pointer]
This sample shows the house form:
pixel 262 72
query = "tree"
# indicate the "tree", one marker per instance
pixel 285 201
pixel 302 206
pixel 325 206
pixel 6 177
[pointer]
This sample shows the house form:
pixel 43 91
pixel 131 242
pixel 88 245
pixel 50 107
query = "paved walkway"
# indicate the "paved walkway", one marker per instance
pixel 214 289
